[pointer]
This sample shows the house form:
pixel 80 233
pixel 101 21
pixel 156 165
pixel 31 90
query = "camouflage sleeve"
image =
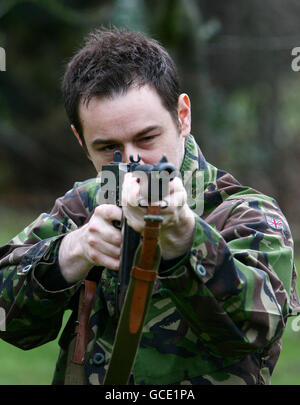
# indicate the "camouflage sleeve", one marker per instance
pixel 33 313
pixel 233 288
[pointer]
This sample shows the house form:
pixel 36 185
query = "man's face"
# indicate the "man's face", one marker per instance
pixel 134 123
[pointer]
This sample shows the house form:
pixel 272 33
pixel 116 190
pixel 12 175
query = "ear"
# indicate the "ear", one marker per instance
pixel 184 114
pixel 77 135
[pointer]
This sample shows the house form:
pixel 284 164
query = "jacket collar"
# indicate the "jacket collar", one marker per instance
pixel 194 161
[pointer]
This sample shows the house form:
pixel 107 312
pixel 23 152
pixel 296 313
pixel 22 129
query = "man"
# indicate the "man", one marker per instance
pixel 226 281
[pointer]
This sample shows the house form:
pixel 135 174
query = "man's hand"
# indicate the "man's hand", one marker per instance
pixel 178 219
pixel 98 243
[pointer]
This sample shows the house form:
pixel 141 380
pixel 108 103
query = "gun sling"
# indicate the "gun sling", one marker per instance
pixel 136 303
pixel 77 349
pixel 132 317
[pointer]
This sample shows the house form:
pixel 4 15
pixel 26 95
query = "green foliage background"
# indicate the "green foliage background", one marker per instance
pixel 234 60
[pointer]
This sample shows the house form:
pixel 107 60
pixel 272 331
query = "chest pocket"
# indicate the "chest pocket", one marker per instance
pixel 109 286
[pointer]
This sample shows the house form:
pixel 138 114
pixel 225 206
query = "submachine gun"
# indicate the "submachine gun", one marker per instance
pixel 135 284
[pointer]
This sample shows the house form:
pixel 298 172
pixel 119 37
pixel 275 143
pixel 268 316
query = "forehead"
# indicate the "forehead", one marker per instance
pixel 139 106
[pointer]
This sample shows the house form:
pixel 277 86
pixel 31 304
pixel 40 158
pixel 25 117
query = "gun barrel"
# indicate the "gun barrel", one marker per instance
pixel 131 240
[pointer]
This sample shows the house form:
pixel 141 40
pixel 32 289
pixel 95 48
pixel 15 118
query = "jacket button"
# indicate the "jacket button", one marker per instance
pixel 201 270
pixel 26 269
pixel 98 359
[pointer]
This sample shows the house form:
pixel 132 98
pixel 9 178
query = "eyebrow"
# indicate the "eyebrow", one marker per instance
pixel 117 141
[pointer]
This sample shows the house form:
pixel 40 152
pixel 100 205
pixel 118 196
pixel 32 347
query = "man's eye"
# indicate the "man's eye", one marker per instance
pixel 148 138
pixel 109 148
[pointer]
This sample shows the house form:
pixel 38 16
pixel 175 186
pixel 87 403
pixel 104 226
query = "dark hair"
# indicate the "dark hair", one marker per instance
pixel 113 60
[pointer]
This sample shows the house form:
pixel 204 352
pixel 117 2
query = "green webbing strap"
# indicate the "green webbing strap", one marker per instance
pixel 75 374
pixel 126 344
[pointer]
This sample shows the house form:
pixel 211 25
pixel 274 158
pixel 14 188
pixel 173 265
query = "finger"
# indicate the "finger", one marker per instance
pixel 108 212
pixel 130 190
pixel 104 247
pixel 172 201
pixel 111 263
pixel 169 193
pixel 100 259
pixel 176 199
pixel 135 217
pixel 102 230
pixel 176 185
pixel 113 236
pixel 143 182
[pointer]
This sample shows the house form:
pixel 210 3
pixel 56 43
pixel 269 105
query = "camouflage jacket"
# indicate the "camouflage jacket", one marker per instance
pixel 216 316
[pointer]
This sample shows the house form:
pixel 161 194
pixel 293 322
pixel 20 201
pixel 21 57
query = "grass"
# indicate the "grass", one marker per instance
pixel 287 370
pixel 36 367
pixel 20 367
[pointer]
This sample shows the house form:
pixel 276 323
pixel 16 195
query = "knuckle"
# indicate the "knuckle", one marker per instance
pixel 114 238
pixel 117 239
pixel 110 262
pixel 136 225
pixel 103 210
pixel 114 264
pixel 98 209
pixel 92 228
pixel 109 211
pixel 94 257
pixel 91 241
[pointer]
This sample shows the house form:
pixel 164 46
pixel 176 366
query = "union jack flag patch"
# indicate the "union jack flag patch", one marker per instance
pixel 274 223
